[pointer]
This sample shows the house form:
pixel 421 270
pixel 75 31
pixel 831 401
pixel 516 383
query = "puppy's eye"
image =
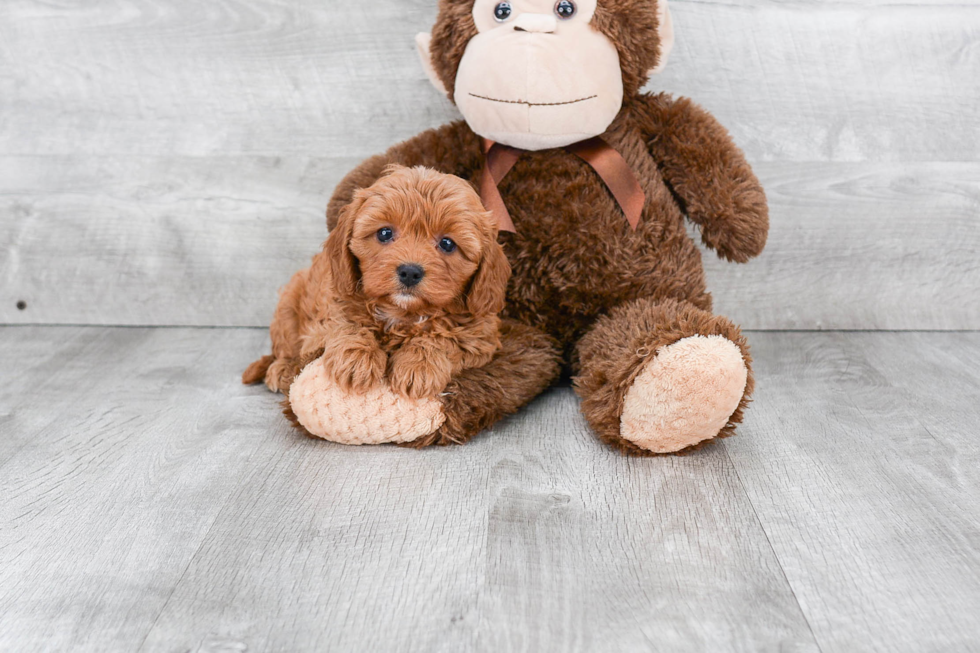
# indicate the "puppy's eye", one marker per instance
pixel 502 11
pixel 565 9
pixel 447 245
pixel 385 235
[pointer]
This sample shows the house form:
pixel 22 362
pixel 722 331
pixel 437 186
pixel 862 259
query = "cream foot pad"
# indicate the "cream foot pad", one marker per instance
pixel 685 395
pixel 376 417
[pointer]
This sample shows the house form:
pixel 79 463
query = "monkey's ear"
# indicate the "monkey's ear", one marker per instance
pixel 423 41
pixel 665 31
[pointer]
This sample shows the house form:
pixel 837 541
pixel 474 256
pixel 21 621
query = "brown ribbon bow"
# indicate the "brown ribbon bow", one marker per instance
pixel 610 165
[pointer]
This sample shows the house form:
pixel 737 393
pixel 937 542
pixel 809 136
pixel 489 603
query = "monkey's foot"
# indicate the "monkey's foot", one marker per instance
pixel 378 416
pixel 685 395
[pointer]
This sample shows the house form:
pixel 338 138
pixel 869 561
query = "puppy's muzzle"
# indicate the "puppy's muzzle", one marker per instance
pixel 410 274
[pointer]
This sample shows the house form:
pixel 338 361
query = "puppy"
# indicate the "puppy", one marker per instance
pixel 406 289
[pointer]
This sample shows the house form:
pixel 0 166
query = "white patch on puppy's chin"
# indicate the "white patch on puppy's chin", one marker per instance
pixel 404 301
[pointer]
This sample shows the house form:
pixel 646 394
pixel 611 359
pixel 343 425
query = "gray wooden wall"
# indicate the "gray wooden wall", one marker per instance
pixel 167 162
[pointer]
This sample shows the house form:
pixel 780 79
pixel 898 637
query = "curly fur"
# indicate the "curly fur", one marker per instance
pixel 350 310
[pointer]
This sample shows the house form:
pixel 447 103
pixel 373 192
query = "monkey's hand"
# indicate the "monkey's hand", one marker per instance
pixel 708 173
pixel 419 370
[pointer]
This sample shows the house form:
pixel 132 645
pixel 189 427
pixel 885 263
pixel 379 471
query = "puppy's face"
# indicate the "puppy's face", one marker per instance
pixel 420 238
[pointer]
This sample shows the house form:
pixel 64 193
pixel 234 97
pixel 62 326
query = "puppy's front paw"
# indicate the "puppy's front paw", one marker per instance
pixel 415 373
pixel 355 369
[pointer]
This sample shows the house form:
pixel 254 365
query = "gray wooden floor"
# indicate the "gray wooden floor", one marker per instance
pixel 151 503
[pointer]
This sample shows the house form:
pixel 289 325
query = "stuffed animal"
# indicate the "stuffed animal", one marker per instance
pixel 590 180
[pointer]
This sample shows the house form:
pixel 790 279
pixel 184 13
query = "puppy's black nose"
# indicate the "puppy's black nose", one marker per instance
pixel 410 274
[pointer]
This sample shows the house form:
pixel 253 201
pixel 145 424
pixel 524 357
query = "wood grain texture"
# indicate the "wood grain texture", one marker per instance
pixel 533 538
pixel 208 241
pixel 178 241
pixel 861 458
pixel 818 80
pixel 122 466
pixel 795 81
pixel 593 551
pixel 163 507
pixel 163 163
pixel 858 246
pixel 45 378
pixel 174 510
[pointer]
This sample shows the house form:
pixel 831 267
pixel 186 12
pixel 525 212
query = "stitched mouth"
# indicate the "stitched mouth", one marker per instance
pixel 534 104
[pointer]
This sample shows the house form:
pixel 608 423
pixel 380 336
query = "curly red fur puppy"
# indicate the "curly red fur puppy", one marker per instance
pixel 406 289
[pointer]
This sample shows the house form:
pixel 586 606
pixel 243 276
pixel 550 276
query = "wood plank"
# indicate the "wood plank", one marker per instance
pixel 103 508
pixel 861 460
pixel 170 509
pixel 176 241
pixel 802 81
pixel 594 551
pixel 208 241
pixel 157 77
pixel 858 246
pixel 210 126
pixel 325 547
pixel 818 80
pixel 534 538
pixel 44 378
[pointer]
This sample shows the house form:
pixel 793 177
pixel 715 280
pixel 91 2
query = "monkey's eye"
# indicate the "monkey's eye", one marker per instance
pixel 565 9
pixel 385 235
pixel 447 245
pixel 502 11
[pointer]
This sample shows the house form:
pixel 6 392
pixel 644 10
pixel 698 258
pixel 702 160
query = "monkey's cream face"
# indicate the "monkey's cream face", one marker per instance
pixel 538 75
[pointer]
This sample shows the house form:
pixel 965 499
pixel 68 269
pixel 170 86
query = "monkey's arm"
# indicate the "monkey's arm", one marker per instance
pixel 708 173
pixel 453 149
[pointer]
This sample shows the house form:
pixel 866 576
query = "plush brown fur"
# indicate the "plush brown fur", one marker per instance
pixel 350 309
pixel 585 286
pixel 614 351
pixel 524 367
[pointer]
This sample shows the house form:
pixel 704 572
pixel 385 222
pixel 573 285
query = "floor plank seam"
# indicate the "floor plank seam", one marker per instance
pixel 197 550
pixel 173 590
pixel 193 557
pixel 772 549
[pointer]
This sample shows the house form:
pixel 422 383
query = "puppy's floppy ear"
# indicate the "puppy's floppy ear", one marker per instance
pixel 344 269
pixel 488 289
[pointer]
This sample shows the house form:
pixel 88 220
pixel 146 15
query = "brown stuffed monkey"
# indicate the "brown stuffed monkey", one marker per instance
pixel 591 181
